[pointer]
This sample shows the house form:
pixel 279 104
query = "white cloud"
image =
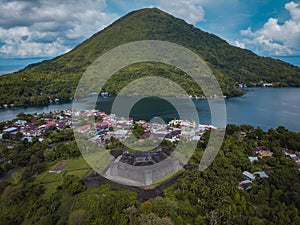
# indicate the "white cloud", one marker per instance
pixel 48 28
pixel 239 44
pixel 277 38
pixel 292 7
pixel 23 42
pixel 189 10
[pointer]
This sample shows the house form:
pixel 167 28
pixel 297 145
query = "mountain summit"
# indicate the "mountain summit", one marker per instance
pixel 58 77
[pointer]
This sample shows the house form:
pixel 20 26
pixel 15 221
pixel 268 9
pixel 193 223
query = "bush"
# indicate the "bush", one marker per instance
pixel 73 185
pixel 79 217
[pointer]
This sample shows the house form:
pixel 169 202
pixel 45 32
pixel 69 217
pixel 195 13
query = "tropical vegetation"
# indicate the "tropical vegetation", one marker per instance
pixel 57 78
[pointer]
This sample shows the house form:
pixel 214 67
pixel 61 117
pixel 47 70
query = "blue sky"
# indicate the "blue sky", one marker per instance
pixel 43 28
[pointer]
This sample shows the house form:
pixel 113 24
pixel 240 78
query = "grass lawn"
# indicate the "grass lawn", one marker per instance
pixel 51 188
pixel 49 166
pixel 77 163
pixel 80 173
pixel 76 166
pixel 50 177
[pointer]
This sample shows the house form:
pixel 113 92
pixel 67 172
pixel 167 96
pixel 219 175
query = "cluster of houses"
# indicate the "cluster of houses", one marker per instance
pixel 260 153
pixel 106 126
pixel 121 128
pixel 293 156
pixel 250 177
pixel 109 125
pixel 37 127
pixel 174 130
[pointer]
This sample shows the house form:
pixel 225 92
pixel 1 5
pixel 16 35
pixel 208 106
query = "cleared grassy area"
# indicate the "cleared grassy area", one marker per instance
pixel 48 177
pixel 51 177
pixel 80 173
pixel 51 188
pixel 49 166
pixel 76 166
pixel 77 163
pixel 73 164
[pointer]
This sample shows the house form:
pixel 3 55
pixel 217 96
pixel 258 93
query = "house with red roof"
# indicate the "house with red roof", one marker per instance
pixel 50 123
pixel 84 128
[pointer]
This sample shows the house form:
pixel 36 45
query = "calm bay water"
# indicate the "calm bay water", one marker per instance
pixel 10 65
pixel 264 107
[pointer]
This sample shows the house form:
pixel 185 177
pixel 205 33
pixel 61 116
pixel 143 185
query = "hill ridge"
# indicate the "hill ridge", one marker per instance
pixel 58 77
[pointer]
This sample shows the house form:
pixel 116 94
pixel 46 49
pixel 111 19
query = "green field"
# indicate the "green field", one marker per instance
pixel 77 167
pixel 80 173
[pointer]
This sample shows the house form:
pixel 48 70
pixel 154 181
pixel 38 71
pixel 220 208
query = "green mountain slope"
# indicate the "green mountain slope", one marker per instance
pixel 57 78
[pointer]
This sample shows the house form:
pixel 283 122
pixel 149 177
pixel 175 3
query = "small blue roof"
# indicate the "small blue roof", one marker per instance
pixel 99 131
pixel 252 159
pixel 249 175
pixel 21 121
pixel 261 174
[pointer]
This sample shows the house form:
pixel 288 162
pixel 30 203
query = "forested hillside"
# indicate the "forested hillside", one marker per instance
pixel 29 194
pixel 57 78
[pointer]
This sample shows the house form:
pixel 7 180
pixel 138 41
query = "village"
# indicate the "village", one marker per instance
pixel 261 152
pixel 105 127
pixel 119 127
pixel 109 126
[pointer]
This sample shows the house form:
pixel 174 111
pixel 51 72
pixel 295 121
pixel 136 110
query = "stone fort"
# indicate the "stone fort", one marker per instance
pixel 142 168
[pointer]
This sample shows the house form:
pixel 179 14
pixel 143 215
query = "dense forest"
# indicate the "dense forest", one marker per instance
pixel 57 78
pixel 31 195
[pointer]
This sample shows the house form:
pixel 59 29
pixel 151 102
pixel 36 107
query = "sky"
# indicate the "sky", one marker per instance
pixel 44 28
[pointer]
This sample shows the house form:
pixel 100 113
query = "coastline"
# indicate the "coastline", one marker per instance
pixel 254 108
pixel 70 100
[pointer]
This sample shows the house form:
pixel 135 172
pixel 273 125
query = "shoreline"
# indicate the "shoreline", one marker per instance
pixel 252 108
pixel 12 106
